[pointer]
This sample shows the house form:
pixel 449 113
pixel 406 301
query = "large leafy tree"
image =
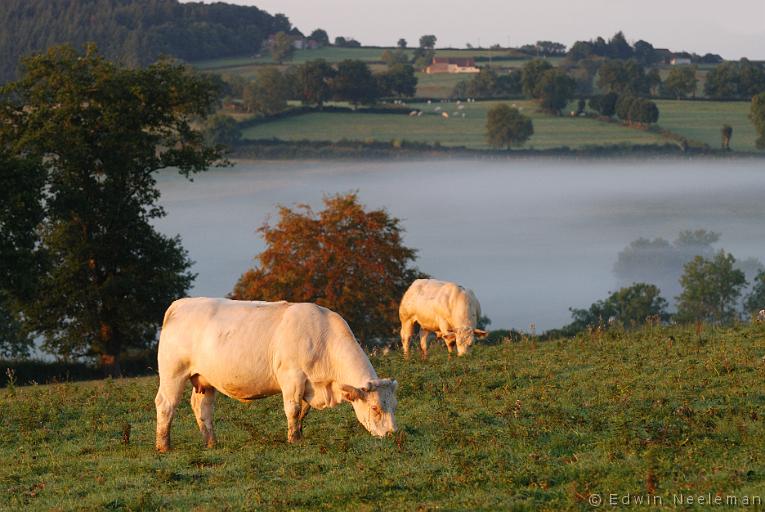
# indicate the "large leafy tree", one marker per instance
pixel 311 82
pixel 531 75
pixel 344 257
pixel 355 83
pixel 398 80
pixel 282 47
pixel 21 212
pixel 554 90
pixel 681 81
pixel 101 132
pixel 506 126
pixel 711 289
pixel 268 93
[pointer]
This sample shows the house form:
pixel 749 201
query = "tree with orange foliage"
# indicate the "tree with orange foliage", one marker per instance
pixel 344 257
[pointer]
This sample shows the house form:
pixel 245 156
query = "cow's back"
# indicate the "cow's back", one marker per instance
pixel 428 300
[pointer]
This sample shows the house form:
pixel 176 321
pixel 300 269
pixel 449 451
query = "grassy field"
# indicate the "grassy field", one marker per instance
pixel 549 131
pixel 702 121
pixel 515 426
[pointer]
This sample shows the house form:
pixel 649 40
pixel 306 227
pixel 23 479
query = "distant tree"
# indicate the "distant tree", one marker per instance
pixel 282 47
pixel 550 48
pixel 221 129
pixel 101 133
pixel 619 48
pixel 681 81
pixel 311 82
pixel 507 127
pixel 401 43
pixel 727 134
pixel 623 77
pixel 630 306
pixel 532 73
pixel 320 36
pixel 645 53
pixel 756 299
pixel 428 42
pixel 344 257
pixel 605 104
pixel 554 90
pixel 340 41
pixel 711 289
pixel 395 57
pixel 579 51
pixel 757 115
pixel 398 80
pixel 742 80
pixel 643 112
pixel 653 80
pixel 268 93
pixel 660 261
pixel 355 83
pixel 624 106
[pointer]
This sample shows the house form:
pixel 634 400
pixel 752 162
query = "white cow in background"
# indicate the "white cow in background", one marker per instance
pixel 761 315
pixel 251 349
pixel 445 308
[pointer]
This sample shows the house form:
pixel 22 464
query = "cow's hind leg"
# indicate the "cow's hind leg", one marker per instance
pixel 167 399
pixel 305 407
pixel 293 387
pixel 203 405
pixel 407 327
pixel 424 342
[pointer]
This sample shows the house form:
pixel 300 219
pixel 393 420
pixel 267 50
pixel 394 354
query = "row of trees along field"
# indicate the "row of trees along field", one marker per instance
pixel 134 32
pixel 315 82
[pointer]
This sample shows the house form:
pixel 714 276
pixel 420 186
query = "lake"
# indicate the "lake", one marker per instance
pixel 530 237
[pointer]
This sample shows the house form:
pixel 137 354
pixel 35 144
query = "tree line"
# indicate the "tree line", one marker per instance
pixel 134 32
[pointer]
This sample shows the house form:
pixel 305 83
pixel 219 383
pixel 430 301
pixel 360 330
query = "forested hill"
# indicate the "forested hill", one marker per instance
pixel 134 32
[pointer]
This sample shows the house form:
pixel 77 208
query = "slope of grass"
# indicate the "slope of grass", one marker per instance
pixel 522 426
pixel 549 131
pixel 703 120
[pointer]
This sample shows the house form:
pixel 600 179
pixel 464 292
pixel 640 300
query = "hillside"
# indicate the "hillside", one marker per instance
pixel 520 425
pixel 133 32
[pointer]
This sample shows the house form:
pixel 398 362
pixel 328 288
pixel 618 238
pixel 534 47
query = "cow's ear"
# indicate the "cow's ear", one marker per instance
pixel 480 333
pixel 449 336
pixel 351 394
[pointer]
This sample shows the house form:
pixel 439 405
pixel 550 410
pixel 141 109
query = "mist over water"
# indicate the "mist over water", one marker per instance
pixel 530 237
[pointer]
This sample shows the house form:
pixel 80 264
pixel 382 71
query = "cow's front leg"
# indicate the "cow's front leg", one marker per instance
pixel 292 393
pixel 407 326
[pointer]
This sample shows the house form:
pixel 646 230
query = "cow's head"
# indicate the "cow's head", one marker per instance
pixel 464 338
pixel 375 405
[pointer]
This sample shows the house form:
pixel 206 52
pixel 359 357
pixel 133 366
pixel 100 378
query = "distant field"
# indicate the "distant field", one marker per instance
pixel 523 426
pixel 469 131
pixel 702 121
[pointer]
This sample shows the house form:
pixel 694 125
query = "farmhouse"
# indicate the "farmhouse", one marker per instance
pixel 680 61
pixel 452 65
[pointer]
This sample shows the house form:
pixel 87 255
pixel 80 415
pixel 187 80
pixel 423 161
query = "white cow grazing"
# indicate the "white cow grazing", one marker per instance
pixel 445 308
pixel 761 315
pixel 252 349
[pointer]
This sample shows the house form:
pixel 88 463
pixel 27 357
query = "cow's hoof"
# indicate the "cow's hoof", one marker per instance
pixel 294 437
pixel 163 448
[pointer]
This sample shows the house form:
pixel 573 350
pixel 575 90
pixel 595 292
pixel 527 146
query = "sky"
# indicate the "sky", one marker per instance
pixel 731 28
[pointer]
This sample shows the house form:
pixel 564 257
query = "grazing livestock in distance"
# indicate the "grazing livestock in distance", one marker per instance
pixel 761 315
pixel 445 308
pixel 252 349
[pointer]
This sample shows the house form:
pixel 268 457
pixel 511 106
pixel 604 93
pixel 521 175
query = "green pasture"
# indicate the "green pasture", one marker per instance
pixel 703 120
pixel 431 127
pixel 526 425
